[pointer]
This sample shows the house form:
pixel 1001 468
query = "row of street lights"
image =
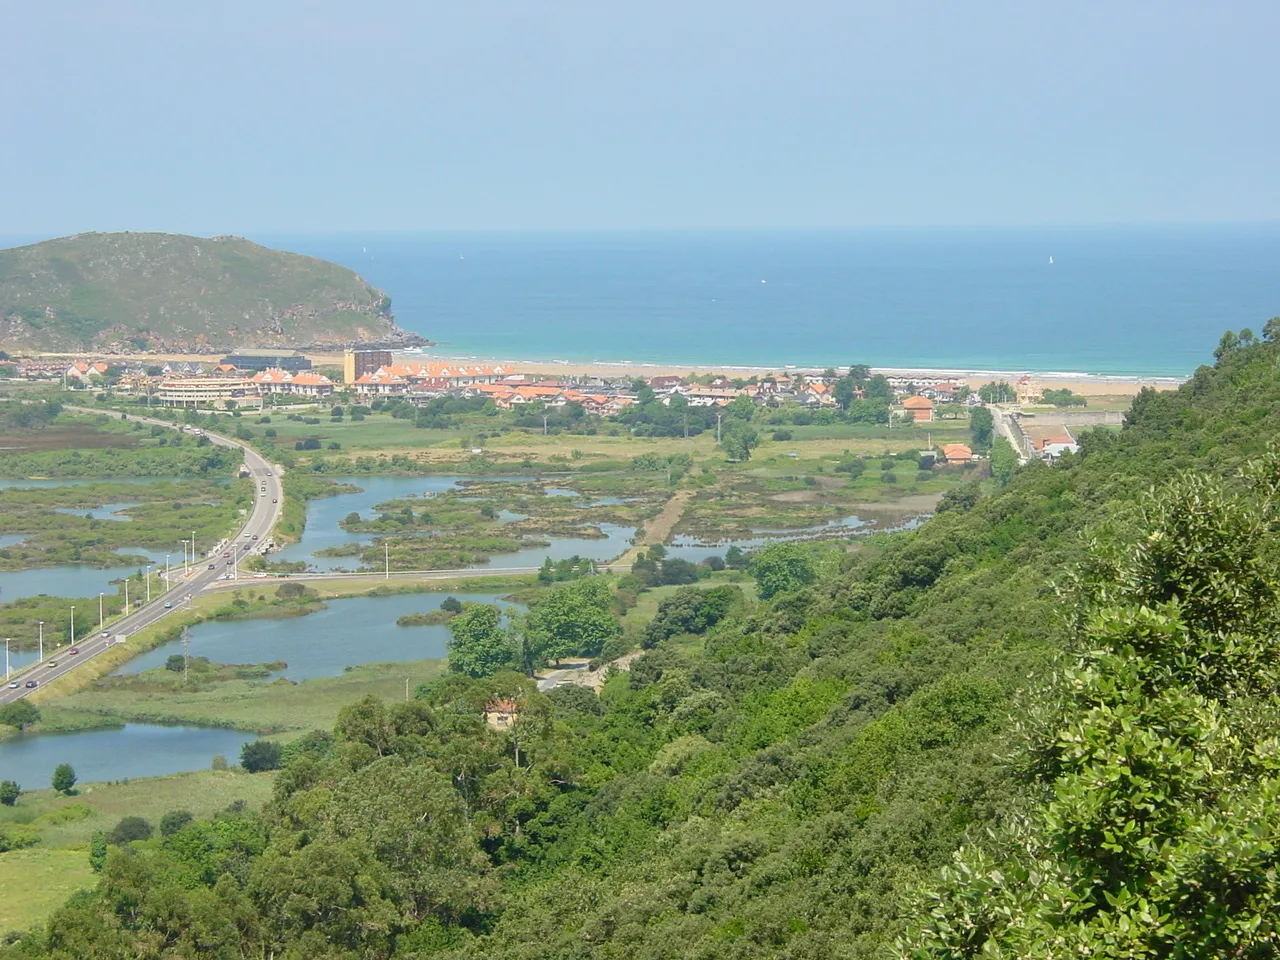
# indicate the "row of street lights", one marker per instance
pixel 101 610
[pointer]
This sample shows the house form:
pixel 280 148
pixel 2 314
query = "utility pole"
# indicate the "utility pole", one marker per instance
pixel 545 418
pixel 386 550
pixel 148 584
pixel 719 417
pixel 6 660
pixel 126 596
pixel 99 612
pixel 166 572
pixel 406 679
pixel 186 653
pixel 73 629
pixel 193 548
pixel 42 639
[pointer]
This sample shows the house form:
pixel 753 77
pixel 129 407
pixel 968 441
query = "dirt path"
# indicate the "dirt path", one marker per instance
pixel 659 528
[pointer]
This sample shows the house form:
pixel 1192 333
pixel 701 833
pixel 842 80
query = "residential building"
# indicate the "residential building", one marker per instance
pixel 212 392
pixel 381 383
pixel 920 408
pixel 252 358
pixel 307 383
pixel 956 453
pixel 1027 390
pixel 356 363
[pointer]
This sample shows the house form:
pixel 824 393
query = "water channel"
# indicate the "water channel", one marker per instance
pixel 347 632
pixel 322 528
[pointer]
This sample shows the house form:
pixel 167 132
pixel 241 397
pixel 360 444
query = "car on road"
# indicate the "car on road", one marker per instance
pixel 230 563
pixel 211 566
pixel 255 536
pixel 273 499
pixel 226 554
pixel 32 684
pixel 106 633
pixel 75 650
pixel 167 604
pixel 51 664
pixel 14 684
pixel 228 576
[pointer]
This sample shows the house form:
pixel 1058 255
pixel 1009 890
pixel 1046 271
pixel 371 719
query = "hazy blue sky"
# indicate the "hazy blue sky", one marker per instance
pixel 301 115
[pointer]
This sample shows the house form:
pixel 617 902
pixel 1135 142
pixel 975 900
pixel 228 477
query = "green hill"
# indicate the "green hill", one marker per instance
pixel 125 292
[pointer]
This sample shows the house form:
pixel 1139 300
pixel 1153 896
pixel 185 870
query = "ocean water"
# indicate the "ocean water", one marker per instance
pixel 1149 301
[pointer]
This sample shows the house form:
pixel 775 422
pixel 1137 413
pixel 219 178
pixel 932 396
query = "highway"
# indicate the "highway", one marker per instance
pixel 268 502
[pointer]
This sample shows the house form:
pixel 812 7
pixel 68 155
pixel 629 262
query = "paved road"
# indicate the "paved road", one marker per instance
pixel 266 510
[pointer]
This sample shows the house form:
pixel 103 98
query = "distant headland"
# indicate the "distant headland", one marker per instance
pixel 118 293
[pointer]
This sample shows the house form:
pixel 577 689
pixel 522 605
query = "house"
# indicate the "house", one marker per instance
pixel 956 453
pixel 667 385
pixel 501 713
pixel 209 392
pixel 1027 390
pixel 381 383
pixel 82 370
pixel 1050 442
pixel 920 408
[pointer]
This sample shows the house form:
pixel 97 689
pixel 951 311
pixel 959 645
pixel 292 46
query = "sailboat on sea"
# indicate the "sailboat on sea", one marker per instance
pixel 1051 259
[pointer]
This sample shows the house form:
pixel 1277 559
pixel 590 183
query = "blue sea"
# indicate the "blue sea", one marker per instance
pixel 1149 301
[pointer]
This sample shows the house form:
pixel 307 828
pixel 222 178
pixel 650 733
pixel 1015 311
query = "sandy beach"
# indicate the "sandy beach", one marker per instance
pixel 1087 385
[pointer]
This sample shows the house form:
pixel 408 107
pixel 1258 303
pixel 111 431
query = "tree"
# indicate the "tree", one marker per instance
pixel 1004 461
pixel 175 662
pixel 781 567
pixel 64 778
pixel 570 619
pixel 997 392
pixel 19 714
pixel 128 830
pixel 1149 754
pixel 677 571
pixel 735 558
pixel 9 792
pixel 259 755
pixel 478 645
pixel 981 423
pixel 451 605
pixel 738 439
pixel 173 821
pixel 97 851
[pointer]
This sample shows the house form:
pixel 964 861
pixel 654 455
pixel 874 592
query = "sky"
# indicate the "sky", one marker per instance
pixel 299 116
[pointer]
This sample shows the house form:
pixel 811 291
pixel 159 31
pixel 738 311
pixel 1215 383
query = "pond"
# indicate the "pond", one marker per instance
pixel 346 633
pixel 107 511
pixel 126 753
pixel 322 528
pixel 696 549
pixel 69 580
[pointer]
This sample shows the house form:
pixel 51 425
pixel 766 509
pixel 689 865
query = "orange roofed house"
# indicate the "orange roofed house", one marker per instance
pixel 956 453
pixel 920 408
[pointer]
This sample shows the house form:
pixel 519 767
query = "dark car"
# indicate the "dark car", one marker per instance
pixel 211 566
pixel 32 684
pixel 230 563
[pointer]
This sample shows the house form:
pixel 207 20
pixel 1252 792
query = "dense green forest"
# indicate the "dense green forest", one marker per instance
pixel 1042 724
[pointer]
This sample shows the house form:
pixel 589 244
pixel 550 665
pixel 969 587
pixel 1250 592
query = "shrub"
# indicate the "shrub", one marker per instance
pixel 9 792
pixel 781 435
pixel 888 477
pixel 219 762
pixel 128 830
pixel 175 662
pixel 173 821
pixel 259 755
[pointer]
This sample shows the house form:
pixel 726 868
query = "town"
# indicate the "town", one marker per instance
pixel 251 379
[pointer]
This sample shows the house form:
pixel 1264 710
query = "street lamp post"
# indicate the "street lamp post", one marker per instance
pixel 41 622
pixel 6 658
pixel 387 555
pixel 126 596
pixel 166 573
pixel 185 568
pixel 100 612
pixel 149 583
pixel 73 626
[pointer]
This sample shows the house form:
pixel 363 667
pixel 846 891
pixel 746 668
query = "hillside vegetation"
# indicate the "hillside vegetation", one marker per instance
pixel 127 292
pixel 1043 724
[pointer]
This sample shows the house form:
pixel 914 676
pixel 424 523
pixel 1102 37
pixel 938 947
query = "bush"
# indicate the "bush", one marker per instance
pixel 451 605
pixel 259 755
pixel 175 662
pixel 173 821
pixel 334 445
pixel 128 830
pixel 781 435
pixel 888 477
pixel 9 792
pixel 219 762
pixel 269 432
